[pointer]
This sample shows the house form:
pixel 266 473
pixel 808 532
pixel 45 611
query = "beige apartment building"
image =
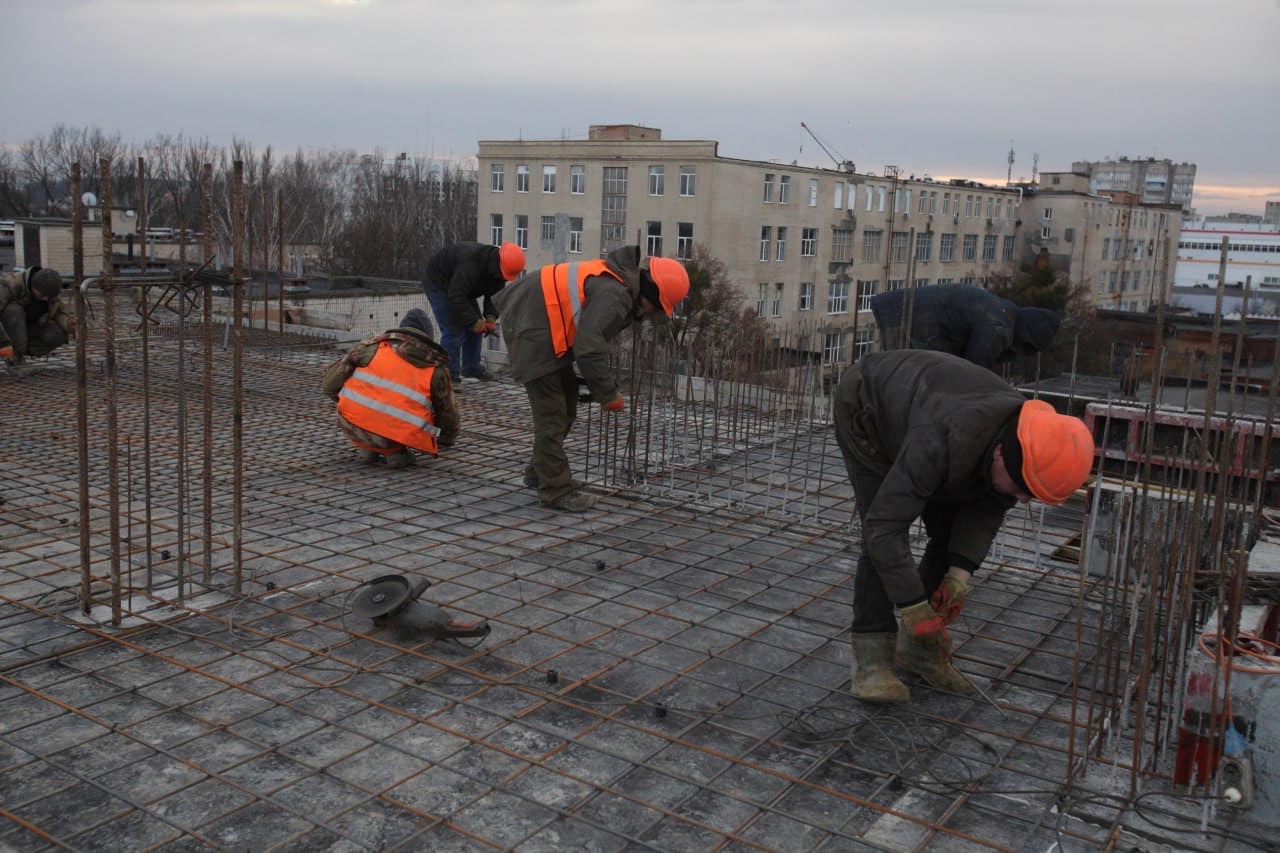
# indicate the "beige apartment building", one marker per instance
pixel 1119 247
pixel 805 245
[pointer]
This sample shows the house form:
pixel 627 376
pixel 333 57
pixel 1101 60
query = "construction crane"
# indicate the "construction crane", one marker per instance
pixel 841 162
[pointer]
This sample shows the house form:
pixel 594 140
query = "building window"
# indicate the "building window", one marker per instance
pixel 871 242
pixel 766 237
pixel 548 179
pixel 575 235
pixel 898 246
pixel 922 206
pixel 497 177
pixel 808 242
pixel 684 241
pixel 1069 235
pixel 1048 213
pixel 768 187
pixel 578 180
pixel 865 339
pixel 522 178
pixel 970 251
pixel 613 207
pixel 778 291
pixel 866 290
pixel 837 199
pixel 495 229
pixel 653 240
pixel 548 229
pixel 657 180
pixel 522 231
pixel 833 348
pixel 1045 233
pixel 968 205
pixel 842 245
pixel 989 247
pixel 813 192
pixel 1124 281
pixel 838 297
pixel 947 248
pixel 1010 245
pixel 781 254
pixel 924 246
pixel 922 282
pixel 946 203
pixel 806 296
pixel 990 203
pixel 784 189
pixel 762 298
pixel 688 181
pixel 1111 287
pixel 896 284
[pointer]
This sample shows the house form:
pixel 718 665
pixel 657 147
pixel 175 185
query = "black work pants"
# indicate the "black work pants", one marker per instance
pixel 554 401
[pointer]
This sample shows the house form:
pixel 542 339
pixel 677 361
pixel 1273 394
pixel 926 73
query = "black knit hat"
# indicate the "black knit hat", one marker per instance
pixel 1011 451
pixel 418 319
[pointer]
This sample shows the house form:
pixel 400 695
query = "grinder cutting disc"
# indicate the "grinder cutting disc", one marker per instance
pixel 381 596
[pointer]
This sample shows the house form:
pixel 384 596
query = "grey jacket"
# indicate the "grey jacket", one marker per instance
pixel 925 424
pixel 610 307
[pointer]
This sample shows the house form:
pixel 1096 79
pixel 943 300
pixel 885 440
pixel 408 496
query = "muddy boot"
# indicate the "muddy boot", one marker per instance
pixel 573 502
pixel 931 660
pixel 873 678
pixel 400 459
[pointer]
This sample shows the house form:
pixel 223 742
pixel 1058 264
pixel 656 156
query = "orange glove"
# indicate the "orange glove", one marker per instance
pixel 6 352
pixel 923 622
pixel 484 326
pixel 615 405
pixel 948 599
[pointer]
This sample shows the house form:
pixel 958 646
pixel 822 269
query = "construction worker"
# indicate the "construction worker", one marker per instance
pixel 32 319
pixel 929 435
pixel 571 313
pixel 394 393
pixel 965 321
pixel 456 277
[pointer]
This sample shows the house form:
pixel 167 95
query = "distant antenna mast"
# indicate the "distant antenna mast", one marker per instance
pixel 1009 180
pixel 1035 168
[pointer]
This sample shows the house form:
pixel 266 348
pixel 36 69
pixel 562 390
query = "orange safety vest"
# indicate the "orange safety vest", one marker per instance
pixel 392 398
pixel 563 290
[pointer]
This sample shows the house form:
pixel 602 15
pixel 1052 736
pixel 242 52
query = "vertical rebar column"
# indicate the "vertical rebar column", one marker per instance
pixel 280 260
pixel 109 321
pixel 143 301
pixel 82 390
pixel 206 231
pixel 266 257
pixel 237 348
pixel 183 469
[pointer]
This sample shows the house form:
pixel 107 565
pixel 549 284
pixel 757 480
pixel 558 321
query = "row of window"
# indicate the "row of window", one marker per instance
pixel 1121 248
pixel 771 297
pixel 548 234
pixel 842 246
pixel 578 179
pixel 1200 245
pixel 777 249
pixel 1113 283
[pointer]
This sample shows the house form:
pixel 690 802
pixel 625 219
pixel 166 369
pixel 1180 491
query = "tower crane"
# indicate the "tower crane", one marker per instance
pixel 841 162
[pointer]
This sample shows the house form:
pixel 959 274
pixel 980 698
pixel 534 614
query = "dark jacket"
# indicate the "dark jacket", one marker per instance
pixel 925 424
pixel 610 307
pixel 416 347
pixel 965 321
pixel 467 272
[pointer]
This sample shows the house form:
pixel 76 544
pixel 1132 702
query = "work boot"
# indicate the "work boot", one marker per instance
pixel 573 502
pixel 873 678
pixel 931 660
pixel 479 372
pixel 530 479
pixel 400 459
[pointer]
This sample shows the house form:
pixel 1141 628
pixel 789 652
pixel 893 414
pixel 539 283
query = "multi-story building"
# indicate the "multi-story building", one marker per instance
pixel 1253 252
pixel 803 244
pixel 1272 213
pixel 1152 181
pixel 1115 244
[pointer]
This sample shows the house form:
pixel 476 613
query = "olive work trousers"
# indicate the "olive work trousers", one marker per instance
pixel 554 401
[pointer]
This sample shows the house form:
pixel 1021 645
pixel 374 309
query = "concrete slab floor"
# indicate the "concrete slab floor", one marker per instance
pixel 666 672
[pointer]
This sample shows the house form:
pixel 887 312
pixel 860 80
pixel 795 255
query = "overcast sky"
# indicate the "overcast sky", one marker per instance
pixel 933 86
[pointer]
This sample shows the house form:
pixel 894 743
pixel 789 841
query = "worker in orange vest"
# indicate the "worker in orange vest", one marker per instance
pixel 394 393
pixel 567 314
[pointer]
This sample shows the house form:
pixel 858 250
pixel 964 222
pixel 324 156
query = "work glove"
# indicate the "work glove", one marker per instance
pixel 484 326
pixel 6 352
pixel 614 405
pixel 948 599
pixel 922 622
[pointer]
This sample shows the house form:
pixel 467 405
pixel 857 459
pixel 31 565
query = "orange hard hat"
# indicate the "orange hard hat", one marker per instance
pixel 511 261
pixel 672 280
pixel 1057 451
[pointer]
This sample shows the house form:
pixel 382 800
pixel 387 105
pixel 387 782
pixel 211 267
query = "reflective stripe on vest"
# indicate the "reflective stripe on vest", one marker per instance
pixel 392 398
pixel 563 291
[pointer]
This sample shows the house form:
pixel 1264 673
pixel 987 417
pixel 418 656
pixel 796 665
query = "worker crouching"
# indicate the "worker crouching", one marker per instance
pixel 927 435
pixel 394 393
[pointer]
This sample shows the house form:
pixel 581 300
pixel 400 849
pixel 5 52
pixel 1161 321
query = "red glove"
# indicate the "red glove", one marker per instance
pixel 484 327
pixel 6 352
pixel 615 405
pixel 923 622
pixel 948 599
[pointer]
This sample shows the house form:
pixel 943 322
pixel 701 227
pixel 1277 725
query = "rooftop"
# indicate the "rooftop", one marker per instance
pixel 668 672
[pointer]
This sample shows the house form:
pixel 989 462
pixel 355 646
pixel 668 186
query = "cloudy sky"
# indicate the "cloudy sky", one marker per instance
pixel 933 86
